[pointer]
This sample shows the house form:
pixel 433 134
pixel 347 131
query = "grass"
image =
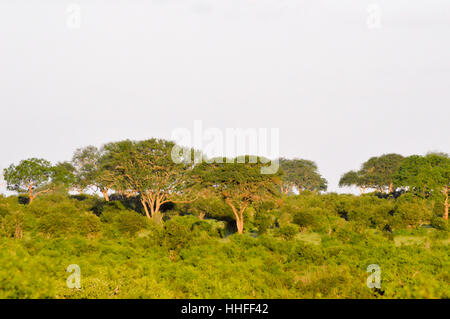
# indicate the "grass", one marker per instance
pixel 409 240
pixel 311 238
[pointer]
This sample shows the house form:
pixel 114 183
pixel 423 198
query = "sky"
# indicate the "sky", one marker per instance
pixel 342 81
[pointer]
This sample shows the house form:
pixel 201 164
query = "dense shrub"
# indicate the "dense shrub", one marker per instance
pixel 126 222
pixel 439 223
pixel 411 214
pixel 309 246
pixel 288 231
pixel 177 232
pixel 11 224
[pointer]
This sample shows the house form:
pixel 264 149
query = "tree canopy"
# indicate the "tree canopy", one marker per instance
pixel 377 173
pixel 302 174
pixel 238 181
pixel 90 170
pixel 146 168
pixel 426 175
pixel 32 176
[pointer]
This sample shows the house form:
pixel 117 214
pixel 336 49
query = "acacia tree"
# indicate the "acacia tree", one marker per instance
pixel 32 176
pixel 352 178
pixel 91 172
pixel 301 174
pixel 426 175
pixel 239 182
pixel 377 173
pixel 146 168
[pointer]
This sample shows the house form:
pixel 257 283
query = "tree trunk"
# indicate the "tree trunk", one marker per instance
pixel 155 205
pixel 105 194
pixel 240 226
pixel 238 215
pixel 283 189
pixel 446 203
pixel 30 194
pixel 152 208
pixel 362 189
pixel 144 203
pixel 391 187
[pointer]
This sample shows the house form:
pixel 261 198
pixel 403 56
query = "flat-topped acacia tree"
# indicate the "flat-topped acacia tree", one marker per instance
pixel 31 176
pixel 302 174
pixel 378 172
pixel 238 181
pixel 146 168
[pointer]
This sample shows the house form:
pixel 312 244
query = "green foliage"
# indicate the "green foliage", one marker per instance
pixel 123 255
pixel 90 170
pixel 288 231
pixel 440 223
pixel 425 174
pixel 127 222
pixel 377 172
pixel 28 175
pixel 311 245
pixel 239 181
pixel 63 175
pixel 37 176
pixel 150 169
pixel 409 214
pixel 263 221
pixel 301 174
pixel 177 233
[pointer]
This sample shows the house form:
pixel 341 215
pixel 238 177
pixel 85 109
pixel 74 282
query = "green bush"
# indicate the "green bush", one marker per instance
pixel 124 255
pixel 288 232
pixel 126 222
pixel 177 232
pixel 411 214
pixel 439 223
pixel 12 224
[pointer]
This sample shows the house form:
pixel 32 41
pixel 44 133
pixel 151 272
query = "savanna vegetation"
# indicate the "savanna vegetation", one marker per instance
pixel 177 227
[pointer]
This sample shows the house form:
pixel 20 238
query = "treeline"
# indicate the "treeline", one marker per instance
pixel 424 176
pixel 146 172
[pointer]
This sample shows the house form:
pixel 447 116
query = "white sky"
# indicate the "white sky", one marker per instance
pixel 339 91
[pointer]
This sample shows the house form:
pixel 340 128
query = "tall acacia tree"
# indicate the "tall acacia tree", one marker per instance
pixel 239 182
pixel 301 174
pixel 377 172
pixel 31 176
pixel 146 168
pixel 426 175
pixel 91 172
pixel 353 178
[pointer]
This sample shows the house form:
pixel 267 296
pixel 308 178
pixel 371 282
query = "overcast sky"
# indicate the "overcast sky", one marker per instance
pixel 342 80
